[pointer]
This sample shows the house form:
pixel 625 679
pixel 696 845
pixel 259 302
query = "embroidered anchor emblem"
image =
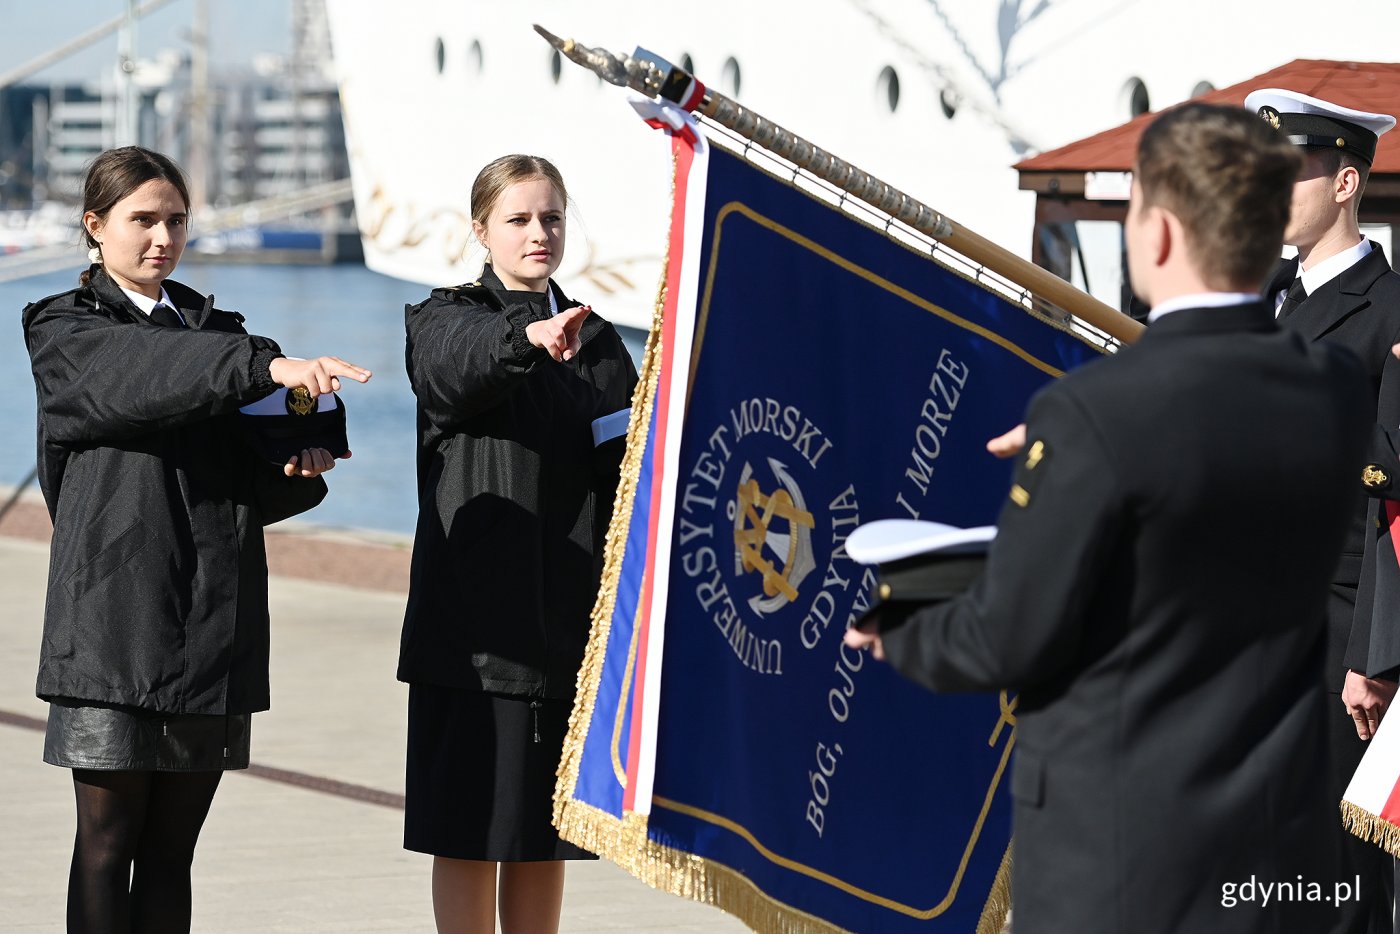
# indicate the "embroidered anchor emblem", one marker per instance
pixel 755 514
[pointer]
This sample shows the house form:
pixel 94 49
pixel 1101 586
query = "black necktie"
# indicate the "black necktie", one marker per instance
pixel 165 316
pixel 1294 298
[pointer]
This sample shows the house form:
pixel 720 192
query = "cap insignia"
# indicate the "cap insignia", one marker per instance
pixel 1341 143
pixel 299 401
pixel 1270 116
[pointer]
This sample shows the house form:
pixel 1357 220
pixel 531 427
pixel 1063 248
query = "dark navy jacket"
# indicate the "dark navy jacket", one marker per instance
pixel 157 594
pixel 1156 594
pixel 513 496
pixel 1360 310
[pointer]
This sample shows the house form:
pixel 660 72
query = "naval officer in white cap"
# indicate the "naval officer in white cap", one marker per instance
pixel 1341 289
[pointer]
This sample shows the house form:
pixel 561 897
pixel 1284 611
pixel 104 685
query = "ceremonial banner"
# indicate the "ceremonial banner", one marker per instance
pixel 1371 805
pixel 807 373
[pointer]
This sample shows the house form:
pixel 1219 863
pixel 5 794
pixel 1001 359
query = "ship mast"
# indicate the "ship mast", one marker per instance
pixel 129 101
pixel 199 107
pixel 16 75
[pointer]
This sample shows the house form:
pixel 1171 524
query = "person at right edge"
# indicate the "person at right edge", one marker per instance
pixel 1341 289
pixel 1156 587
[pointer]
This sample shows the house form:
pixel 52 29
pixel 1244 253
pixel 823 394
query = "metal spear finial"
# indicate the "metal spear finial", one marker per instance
pixel 599 61
pixel 646 77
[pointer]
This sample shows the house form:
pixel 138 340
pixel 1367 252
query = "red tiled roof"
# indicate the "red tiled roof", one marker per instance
pixel 1373 86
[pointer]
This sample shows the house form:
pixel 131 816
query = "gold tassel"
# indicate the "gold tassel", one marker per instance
pixel 998 904
pixel 1371 828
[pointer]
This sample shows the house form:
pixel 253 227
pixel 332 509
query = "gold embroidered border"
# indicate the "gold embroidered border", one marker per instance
pixel 707 881
pixel 738 207
pixel 619 768
pixel 929 251
pixel 710 882
pixel 792 865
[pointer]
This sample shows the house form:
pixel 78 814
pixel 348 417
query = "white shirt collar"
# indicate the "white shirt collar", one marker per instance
pixel 147 304
pixel 1200 300
pixel 1333 266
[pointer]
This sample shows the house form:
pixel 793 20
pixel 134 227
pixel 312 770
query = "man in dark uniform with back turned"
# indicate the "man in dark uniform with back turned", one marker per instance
pixel 1341 289
pixel 1157 584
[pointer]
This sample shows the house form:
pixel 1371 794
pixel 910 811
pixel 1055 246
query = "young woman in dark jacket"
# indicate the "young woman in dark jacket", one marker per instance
pixel 156 625
pixel 522 404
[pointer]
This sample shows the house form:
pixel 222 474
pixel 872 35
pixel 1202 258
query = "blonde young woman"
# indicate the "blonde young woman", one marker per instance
pixel 519 387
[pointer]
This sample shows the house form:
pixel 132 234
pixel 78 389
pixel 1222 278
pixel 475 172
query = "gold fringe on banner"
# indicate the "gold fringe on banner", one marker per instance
pixel 1371 828
pixel 591 670
pixel 625 841
pixel 708 882
pixel 998 904
pixel 680 873
pixel 614 544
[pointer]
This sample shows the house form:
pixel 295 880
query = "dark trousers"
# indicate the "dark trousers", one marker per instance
pixel 1372 913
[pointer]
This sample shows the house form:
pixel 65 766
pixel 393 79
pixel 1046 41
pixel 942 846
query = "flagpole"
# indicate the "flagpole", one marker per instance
pixel 648 78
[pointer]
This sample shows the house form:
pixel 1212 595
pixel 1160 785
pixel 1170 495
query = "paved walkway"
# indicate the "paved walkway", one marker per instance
pixel 309 840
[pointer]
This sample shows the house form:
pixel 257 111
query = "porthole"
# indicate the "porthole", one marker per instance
pixel 1135 97
pixel 730 76
pixel 948 102
pixel 888 87
pixel 474 56
pixel 440 53
pixel 556 65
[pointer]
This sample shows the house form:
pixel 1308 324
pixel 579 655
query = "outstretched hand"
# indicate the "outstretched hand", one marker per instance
pixel 558 336
pixel 318 376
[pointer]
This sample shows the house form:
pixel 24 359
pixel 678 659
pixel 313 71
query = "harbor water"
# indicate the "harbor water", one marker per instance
pixel 343 310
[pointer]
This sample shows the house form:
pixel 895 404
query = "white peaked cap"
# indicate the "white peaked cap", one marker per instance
pixel 895 539
pixel 1291 102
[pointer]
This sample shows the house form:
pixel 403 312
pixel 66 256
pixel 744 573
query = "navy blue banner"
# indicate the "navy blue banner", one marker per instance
pixel 837 377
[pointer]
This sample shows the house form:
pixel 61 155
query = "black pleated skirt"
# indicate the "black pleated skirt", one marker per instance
pixel 110 737
pixel 480 775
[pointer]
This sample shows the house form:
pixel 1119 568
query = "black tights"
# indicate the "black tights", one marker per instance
pixel 134 847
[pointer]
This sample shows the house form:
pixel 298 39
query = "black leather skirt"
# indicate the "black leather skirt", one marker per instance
pixel 84 735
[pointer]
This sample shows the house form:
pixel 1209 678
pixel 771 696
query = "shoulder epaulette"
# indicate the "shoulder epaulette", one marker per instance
pixel 237 316
pixel 83 296
pixel 467 291
pixel 468 288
